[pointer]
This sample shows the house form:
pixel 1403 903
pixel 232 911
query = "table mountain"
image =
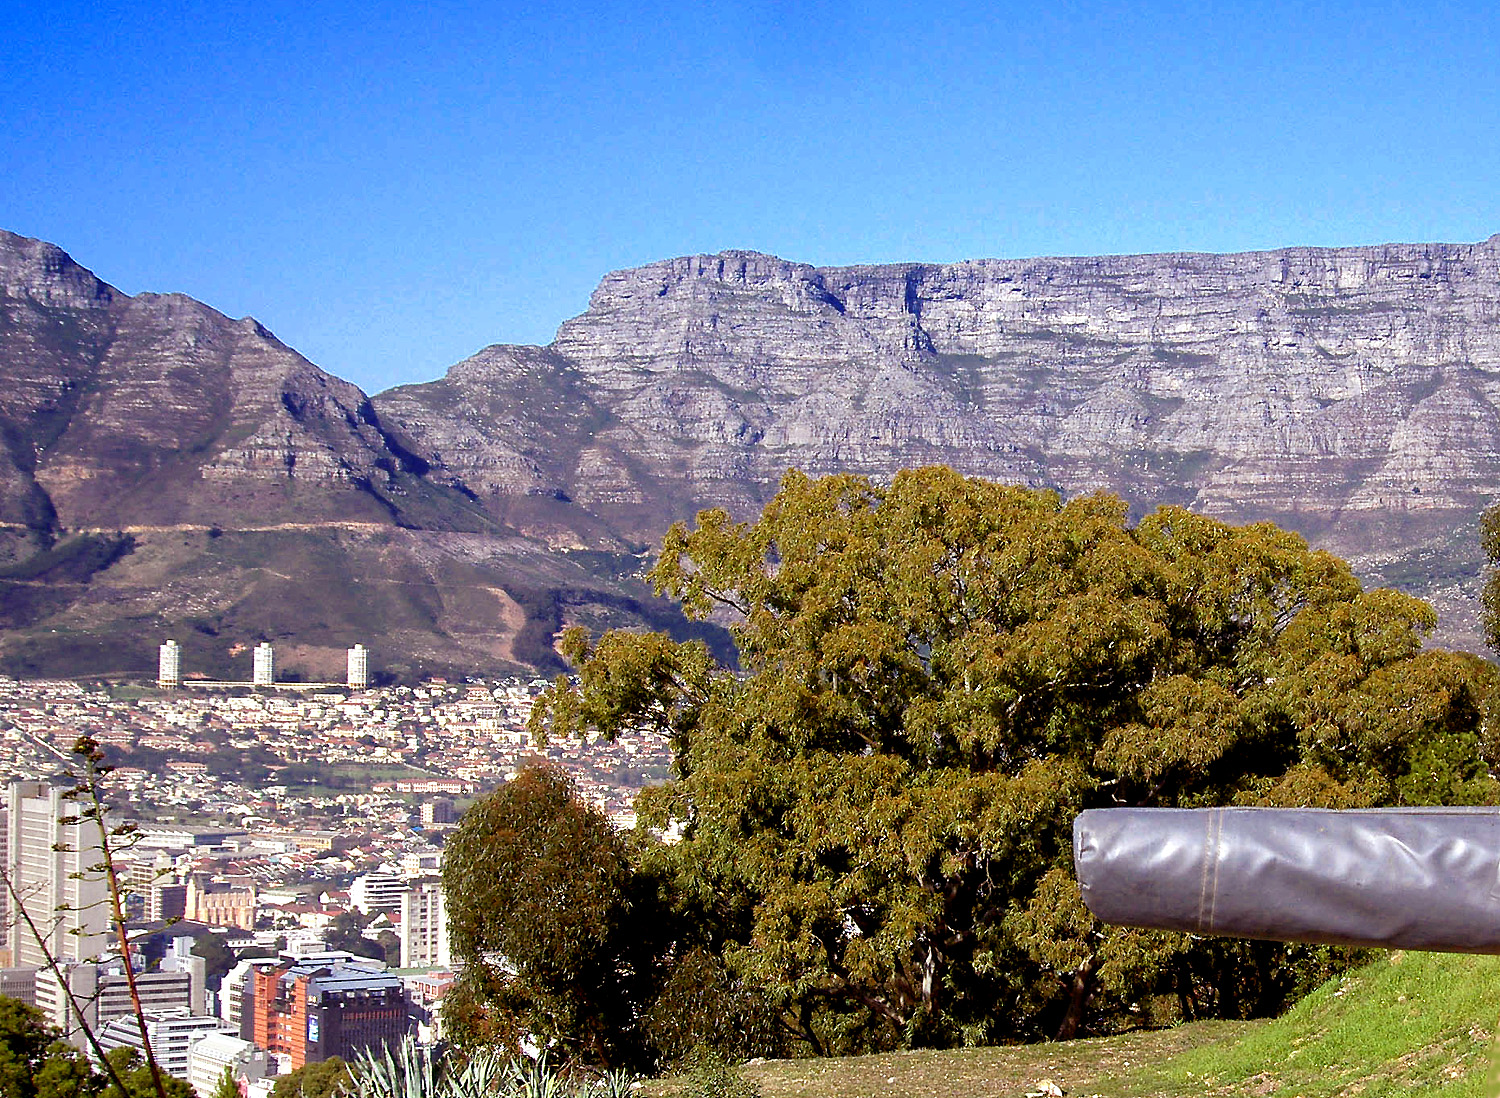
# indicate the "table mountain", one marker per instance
pixel 164 469
pixel 1348 393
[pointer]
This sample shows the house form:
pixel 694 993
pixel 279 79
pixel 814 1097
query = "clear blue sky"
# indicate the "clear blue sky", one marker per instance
pixel 390 187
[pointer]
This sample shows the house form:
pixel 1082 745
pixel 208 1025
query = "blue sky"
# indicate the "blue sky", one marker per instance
pixel 390 187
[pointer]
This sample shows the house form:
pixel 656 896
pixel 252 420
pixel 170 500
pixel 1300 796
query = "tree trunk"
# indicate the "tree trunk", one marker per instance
pixel 1079 989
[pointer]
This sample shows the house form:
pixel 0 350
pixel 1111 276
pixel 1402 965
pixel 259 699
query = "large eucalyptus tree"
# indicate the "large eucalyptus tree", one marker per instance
pixel 935 676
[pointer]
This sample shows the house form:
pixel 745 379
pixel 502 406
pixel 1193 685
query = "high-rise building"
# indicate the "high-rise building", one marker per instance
pixel 172 1034
pixel 102 990
pixel 236 990
pixel 424 926
pixel 264 673
pixel 312 1010
pixel 169 666
pixel 359 667
pixel 51 866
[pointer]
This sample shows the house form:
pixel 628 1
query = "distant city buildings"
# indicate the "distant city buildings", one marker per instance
pixel 52 869
pixel 311 1010
pixel 238 831
pixel 262 669
pixel 103 991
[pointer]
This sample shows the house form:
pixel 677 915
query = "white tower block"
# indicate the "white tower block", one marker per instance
pixel 265 665
pixel 169 665
pixel 359 667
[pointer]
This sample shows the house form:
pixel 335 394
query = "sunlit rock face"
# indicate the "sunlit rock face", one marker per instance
pixel 1349 393
pixel 165 470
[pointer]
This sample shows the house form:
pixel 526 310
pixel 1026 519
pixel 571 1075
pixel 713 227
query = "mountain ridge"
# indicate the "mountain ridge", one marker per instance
pixel 1349 393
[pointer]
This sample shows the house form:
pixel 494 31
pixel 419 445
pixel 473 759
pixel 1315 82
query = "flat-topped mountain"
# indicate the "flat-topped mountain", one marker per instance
pixel 233 490
pixel 1349 393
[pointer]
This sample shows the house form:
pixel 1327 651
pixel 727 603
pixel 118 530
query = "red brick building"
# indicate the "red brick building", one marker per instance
pixel 313 1010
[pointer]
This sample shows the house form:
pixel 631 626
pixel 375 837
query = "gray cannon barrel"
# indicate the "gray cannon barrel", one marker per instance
pixel 1424 878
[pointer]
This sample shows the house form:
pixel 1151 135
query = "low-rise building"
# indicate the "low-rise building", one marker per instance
pixel 208 1059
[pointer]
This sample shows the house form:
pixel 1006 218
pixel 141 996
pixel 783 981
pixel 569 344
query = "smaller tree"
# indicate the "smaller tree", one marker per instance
pixel 323 1079
pixel 228 1086
pixel 218 958
pixel 34 1061
pixel 140 1079
pixel 346 931
pixel 549 923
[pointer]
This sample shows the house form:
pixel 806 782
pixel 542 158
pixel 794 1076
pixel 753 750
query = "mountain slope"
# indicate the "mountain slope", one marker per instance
pixel 1348 393
pixel 167 470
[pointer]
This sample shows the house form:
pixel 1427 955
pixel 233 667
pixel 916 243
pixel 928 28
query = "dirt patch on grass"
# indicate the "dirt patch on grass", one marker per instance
pixel 1081 1068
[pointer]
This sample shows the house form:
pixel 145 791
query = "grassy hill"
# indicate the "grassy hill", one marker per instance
pixel 1412 1024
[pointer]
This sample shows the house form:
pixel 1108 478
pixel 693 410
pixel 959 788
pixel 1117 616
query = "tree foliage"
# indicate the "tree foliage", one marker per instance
pixel 227 1086
pixel 1489 539
pixel 36 1063
pixel 140 1081
pixel 545 916
pixel 935 677
pixel 322 1079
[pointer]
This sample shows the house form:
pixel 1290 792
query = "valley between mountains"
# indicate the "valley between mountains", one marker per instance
pixel 168 471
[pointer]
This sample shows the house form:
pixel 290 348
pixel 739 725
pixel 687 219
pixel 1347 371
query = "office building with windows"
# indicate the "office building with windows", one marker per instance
pixel 51 866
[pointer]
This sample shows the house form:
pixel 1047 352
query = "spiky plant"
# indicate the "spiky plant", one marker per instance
pixel 408 1070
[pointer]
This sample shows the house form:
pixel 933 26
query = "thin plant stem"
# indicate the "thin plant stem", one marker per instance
pixel 62 982
pixel 87 750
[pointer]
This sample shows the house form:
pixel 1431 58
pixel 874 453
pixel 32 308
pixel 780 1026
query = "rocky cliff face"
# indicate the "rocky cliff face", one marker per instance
pixel 164 469
pixel 1349 393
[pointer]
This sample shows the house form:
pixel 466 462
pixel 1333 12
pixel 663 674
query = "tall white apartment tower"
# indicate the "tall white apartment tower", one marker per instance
pixel 169 666
pixel 265 665
pixel 424 927
pixel 51 866
pixel 359 667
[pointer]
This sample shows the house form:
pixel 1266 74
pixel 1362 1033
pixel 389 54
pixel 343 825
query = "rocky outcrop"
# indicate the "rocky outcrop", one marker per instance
pixel 163 467
pixel 1349 393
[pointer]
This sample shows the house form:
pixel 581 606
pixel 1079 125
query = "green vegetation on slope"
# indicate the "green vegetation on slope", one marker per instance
pixel 1413 1024
pixel 1410 1024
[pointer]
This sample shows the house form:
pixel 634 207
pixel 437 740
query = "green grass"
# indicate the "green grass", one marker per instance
pixel 1409 1024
